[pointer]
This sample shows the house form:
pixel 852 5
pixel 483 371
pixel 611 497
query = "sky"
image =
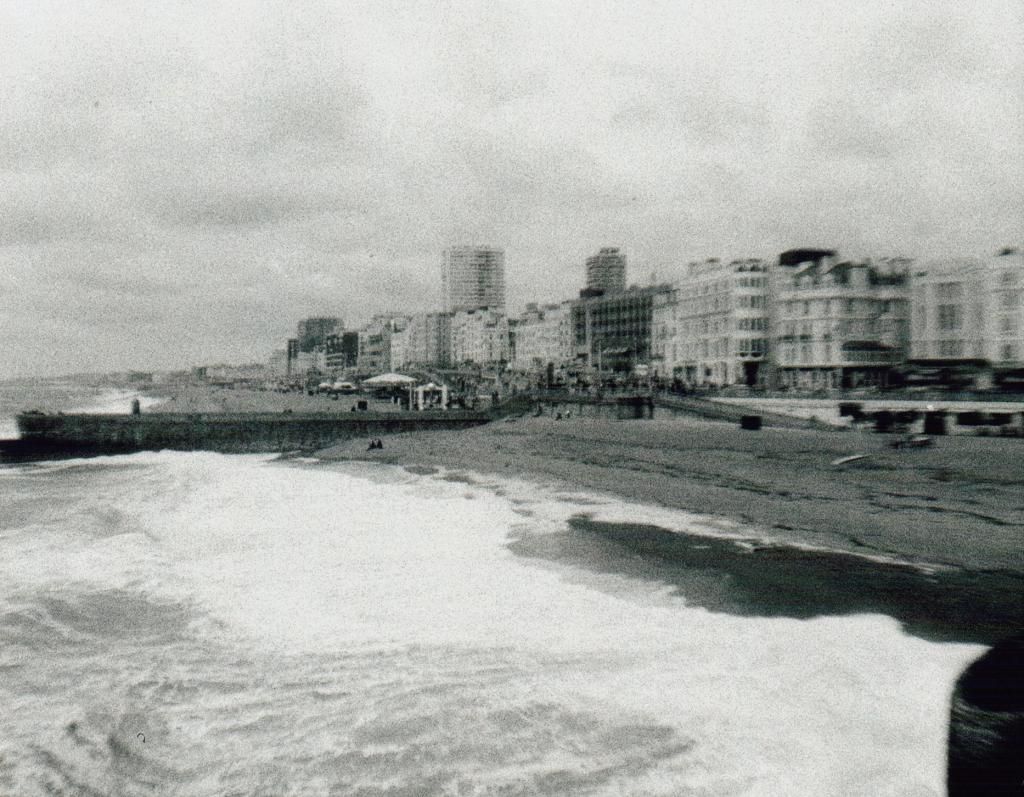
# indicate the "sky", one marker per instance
pixel 183 181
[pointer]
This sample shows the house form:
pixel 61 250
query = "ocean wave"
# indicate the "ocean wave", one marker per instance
pixel 58 618
pixel 297 629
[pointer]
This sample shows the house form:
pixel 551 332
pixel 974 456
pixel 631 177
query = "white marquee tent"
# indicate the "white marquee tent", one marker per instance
pixel 389 380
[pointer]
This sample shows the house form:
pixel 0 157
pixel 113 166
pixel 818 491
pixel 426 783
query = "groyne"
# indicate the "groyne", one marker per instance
pixel 50 435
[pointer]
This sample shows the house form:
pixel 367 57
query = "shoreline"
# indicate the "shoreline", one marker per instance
pixel 956 504
pixel 929 537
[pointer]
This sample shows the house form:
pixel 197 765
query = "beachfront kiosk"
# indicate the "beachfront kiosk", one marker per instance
pixel 421 397
pixel 389 381
pixel 391 385
pixel 429 396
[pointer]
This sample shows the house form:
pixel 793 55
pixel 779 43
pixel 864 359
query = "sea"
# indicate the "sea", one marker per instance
pixel 191 623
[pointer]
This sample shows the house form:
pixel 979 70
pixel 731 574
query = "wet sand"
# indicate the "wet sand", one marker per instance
pixel 767 580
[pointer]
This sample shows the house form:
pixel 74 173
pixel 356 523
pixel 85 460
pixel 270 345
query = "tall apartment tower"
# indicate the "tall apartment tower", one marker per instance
pixel 313 332
pixel 606 271
pixel 472 277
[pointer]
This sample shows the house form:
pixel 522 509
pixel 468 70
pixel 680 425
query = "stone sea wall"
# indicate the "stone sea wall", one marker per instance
pixel 225 432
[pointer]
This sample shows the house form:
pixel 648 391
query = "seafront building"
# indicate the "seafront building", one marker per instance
pixel 480 337
pixel 341 351
pixel 606 272
pixel 837 324
pixel 613 332
pixel 399 345
pixel 278 362
pixel 374 355
pixel 473 277
pixel 950 309
pixel 543 337
pixel 711 326
pixel 313 332
pixel 809 321
pixel 1006 345
pixel 967 318
pixel 424 343
pixel 301 364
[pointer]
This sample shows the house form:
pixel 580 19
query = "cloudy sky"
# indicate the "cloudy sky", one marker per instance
pixel 183 181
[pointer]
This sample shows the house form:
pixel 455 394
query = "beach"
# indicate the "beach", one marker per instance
pixel 958 502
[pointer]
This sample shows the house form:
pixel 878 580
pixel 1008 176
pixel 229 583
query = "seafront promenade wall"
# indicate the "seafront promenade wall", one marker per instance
pixel 629 406
pixel 225 432
pixel 614 407
pixel 732 413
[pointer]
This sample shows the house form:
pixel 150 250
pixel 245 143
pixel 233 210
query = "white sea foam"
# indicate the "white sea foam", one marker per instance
pixel 327 560
pixel 310 561
pixel 548 510
pixel 116 402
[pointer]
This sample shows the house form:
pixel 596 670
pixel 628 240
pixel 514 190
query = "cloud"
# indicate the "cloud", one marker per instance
pixel 198 176
pixel 185 204
pixel 39 209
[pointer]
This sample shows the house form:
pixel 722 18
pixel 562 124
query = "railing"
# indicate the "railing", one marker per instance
pixel 859 394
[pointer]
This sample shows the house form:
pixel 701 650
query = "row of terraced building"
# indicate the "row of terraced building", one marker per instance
pixel 808 321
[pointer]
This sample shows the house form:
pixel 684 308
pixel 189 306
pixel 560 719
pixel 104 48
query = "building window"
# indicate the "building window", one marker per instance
pixel 949 290
pixel 1010 300
pixel 951 348
pixel 950 317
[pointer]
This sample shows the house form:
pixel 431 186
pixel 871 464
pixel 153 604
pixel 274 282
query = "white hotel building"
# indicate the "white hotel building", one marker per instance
pixel 838 324
pixel 544 335
pixel 711 328
pixel 480 336
pixel 425 342
pixel 969 311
